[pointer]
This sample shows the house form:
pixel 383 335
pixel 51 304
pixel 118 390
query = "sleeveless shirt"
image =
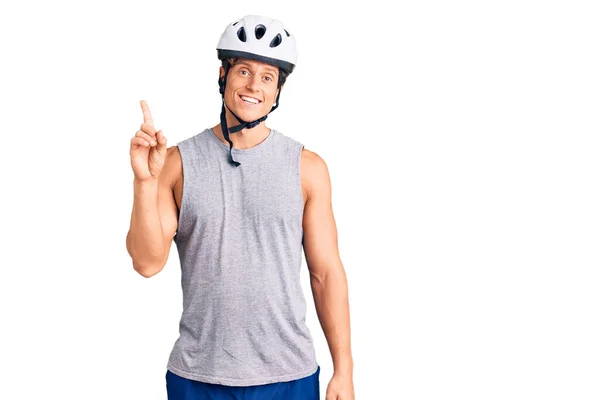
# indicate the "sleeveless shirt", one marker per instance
pixel 239 240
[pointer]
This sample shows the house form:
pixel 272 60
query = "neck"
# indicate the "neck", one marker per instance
pixel 244 139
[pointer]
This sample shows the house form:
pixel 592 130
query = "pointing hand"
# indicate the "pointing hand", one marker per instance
pixel 148 150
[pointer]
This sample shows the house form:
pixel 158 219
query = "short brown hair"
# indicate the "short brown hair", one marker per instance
pixel 232 60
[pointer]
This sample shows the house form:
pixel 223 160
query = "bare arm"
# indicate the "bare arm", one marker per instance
pixel 327 275
pixel 144 239
pixel 154 218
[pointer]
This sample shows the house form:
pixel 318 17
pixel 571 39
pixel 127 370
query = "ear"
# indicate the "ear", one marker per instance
pixel 221 72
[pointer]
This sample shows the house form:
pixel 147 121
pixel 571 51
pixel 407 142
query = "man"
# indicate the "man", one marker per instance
pixel 239 214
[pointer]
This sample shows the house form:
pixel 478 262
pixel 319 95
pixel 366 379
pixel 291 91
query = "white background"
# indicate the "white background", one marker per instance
pixel 462 140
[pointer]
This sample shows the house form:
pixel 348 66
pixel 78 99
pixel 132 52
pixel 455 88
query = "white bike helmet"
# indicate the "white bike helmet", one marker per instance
pixel 258 38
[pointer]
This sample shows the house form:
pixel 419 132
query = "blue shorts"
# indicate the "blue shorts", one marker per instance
pixel 179 388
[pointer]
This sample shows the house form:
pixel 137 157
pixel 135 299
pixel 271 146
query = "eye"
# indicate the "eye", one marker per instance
pixel 269 78
pixel 243 70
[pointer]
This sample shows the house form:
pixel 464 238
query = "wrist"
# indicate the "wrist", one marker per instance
pixel 343 369
pixel 343 374
pixel 146 181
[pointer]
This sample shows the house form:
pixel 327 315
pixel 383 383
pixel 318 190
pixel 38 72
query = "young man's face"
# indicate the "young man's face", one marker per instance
pixel 254 79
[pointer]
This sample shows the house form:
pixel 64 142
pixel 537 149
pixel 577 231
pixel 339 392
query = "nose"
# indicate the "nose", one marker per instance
pixel 254 83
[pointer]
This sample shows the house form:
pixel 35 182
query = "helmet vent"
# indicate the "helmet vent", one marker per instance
pixel 241 34
pixel 235 23
pixel 276 41
pixel 259 31
pixel 286 32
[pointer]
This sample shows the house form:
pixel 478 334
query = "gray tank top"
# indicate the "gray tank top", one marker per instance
pixel 239 240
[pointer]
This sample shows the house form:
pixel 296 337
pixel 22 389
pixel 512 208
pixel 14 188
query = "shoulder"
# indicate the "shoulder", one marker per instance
pixel 172 169
pixel 186 150
pixel 192 141
pixel 174 155
pixel 313 162
pixel 314 168
pixel 287 141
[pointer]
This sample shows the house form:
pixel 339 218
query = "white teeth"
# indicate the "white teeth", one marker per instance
pixel 249 99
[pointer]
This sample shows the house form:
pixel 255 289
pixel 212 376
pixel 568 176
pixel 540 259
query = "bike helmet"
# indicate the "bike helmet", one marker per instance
pixel 258 38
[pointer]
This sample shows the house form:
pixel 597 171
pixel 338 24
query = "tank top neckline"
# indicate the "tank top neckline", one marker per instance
pixel 242 151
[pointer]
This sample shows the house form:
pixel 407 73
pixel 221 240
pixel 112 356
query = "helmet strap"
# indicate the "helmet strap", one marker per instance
pixel 243 124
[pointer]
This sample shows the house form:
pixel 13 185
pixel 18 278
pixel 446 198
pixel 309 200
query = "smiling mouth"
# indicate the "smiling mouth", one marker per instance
pixel 249 102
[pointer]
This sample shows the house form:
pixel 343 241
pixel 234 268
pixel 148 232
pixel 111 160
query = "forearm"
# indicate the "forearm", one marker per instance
pixel 145 236
pixel 331 300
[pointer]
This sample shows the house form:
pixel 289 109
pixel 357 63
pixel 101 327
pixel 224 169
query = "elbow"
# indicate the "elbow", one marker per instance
pixel 327 273
pixel 147 271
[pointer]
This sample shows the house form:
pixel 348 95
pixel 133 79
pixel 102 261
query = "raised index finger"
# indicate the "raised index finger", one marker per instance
pixel 146 111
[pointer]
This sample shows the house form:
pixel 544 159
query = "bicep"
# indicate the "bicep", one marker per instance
pixel 320 232
pixel 167 207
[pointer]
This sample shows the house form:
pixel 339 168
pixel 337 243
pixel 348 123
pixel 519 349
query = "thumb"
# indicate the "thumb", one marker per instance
pixel 161 140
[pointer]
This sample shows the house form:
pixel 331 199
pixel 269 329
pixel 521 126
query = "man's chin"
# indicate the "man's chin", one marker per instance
pixel 248 115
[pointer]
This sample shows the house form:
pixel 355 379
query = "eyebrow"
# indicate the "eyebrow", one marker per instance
pixel 266 68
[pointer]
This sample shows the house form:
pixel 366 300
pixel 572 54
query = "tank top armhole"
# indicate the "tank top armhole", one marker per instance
pixel 181 217
pixel 299 178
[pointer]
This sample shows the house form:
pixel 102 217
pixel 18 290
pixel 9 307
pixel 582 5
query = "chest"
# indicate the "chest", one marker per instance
pixel 261 195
